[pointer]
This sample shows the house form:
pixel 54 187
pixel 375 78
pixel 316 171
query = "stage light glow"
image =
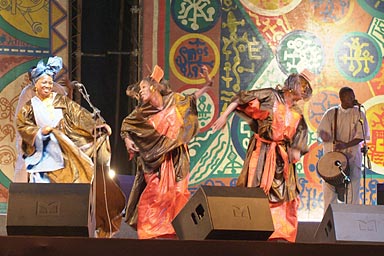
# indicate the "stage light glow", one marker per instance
pixel 112 174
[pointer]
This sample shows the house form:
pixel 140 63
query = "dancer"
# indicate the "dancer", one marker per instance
pixel 279 140
pixel 157 133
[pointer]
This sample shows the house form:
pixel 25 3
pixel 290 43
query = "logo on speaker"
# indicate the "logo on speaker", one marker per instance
pixel 368 225
pixel 241 211
pixel 48 208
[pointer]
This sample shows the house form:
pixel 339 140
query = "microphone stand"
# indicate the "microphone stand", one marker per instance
pixel 364 150
pixel 96 115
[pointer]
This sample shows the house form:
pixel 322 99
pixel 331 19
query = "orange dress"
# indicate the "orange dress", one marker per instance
pixel 277 129
pixel 160 189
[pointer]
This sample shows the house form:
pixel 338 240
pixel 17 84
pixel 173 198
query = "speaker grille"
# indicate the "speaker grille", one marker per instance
pixel 226 213
pixel 49 209
pixel 347 223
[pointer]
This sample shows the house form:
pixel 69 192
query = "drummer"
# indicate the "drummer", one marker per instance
pixel 340 130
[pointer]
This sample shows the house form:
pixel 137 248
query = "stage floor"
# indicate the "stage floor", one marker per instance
pixel 126 243
pixel 305 234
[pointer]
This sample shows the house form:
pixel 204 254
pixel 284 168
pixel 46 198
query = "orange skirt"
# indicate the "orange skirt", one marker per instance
pixel 162 199
pixel 285 220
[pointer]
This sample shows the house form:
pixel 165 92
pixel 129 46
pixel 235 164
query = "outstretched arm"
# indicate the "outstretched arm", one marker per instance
pixel 222 120
pixel 208 80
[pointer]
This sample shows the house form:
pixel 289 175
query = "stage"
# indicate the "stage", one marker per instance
pixel 344 230
pixel 126 243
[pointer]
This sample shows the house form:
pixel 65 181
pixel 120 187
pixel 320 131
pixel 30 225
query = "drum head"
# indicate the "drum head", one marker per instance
pixel 327 165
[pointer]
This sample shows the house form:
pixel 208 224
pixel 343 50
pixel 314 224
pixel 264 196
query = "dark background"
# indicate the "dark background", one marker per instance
pixel 109 37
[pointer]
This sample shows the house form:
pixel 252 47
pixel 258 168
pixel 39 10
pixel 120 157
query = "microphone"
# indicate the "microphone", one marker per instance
pixel 77 84
pixel 346 177
pixel 356 103
pixel 338 163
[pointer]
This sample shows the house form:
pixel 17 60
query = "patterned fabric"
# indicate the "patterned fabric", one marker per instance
pixel 53 66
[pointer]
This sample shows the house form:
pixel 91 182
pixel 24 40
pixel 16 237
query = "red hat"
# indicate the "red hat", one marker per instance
pixel 157 74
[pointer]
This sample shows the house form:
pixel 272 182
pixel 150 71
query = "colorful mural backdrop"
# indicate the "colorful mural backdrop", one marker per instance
pixel 29 31
pixel 246 44
pixel 249 44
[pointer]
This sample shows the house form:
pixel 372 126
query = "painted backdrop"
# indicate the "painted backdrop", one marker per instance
pixel 250 44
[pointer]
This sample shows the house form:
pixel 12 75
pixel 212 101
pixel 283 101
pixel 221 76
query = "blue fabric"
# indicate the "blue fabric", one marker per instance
pixel 48 156
pixel 53 66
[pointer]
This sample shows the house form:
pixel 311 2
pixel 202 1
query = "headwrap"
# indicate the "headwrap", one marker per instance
pixel 155 79
pixel 53 66
pixel 292 83
pixel 307 75
pixel 157 74
pixel 310 78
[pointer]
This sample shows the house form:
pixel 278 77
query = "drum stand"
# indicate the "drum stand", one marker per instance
pixel 346 180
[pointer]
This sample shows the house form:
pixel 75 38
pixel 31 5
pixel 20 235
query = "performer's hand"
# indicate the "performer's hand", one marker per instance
pixel 219 123
pixel 46 130
pixel 105 128
pixel 325 136
pixel 222 120
pixel 339 145
pixel 294 155
pixel 205 75
pixel 131 147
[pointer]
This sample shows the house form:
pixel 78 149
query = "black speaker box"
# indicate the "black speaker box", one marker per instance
pixel 380 193
pixel 49 209
pixel 348 223
pixel 226 213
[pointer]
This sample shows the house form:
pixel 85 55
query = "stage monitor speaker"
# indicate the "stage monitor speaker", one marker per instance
pixel 225 213
pixel 49 209
pixel 348 223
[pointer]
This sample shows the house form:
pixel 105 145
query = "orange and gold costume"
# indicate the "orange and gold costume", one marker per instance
pixel 277 129
pixel 160 189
